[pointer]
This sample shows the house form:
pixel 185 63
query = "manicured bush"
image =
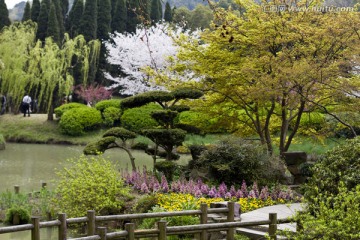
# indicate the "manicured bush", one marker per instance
pixel 136 119
pixel 75 122
pixel 59 111
pixel 341 164
pixel 232 161
pixel 167 168
pixel 201 121
pixel 90 184
pixel 104 104
pixel 17 215
pixel 139 146
pixel 112 116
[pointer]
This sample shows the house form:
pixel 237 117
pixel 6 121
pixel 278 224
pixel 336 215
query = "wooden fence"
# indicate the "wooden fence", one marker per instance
pixel 161 232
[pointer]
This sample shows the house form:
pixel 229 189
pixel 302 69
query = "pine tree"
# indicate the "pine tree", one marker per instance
pixel 65 7
pixel 4 15
pixel 27 12
pixel 155 15
pixel 59 16
pixel 113 7
pixel 53 25
pixel 168 12
pixel 160 9
pixel 43 20
pixel 118 23
pixel 35 10
pixel 74 18
pixel 88 23
pixel 133 15
pixel 104 19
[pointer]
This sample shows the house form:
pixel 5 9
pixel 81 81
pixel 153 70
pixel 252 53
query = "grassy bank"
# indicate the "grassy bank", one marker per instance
pixel 36 129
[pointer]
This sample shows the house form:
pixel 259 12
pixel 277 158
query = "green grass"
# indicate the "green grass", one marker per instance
pixel 315 146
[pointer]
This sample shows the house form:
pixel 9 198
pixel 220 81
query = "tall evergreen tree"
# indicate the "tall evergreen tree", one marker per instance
pixel 35 10
pixel 53 29
pixel 113 7
pixel 104 19
pixel 155 14
pixel 59 17
pixel 88 23
pixel 168 12
pixel 27 12
pixel 160 9
pixel 133 15
pixel 65 7
pixel 43 20
pixel 74 18
pixel 118 23
pixel 4 15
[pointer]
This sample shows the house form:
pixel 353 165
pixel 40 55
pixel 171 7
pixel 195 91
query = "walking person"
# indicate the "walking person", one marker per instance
pixel 3 104
pixel 26 105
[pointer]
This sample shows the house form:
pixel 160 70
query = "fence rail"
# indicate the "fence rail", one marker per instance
pixel 161 232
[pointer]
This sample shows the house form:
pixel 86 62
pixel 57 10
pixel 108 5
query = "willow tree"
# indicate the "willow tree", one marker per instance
pixel 265 69
pixel 44 69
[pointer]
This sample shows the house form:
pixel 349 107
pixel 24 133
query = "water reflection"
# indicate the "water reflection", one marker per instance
pixel 29 165
pixel 45 234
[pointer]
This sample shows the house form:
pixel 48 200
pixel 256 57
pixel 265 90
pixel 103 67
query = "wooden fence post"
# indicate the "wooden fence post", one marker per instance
pixel 91 223
pixel 230 218
pixel 35 232
pixel 130 228
pixel 203 219
pixel 17 189
pixel 102 231
pixel 161 225
pixel 272 225
pixel 62 226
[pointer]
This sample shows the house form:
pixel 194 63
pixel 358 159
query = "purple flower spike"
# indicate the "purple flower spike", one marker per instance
pixel 164 184
pixel 255 189
pixel 264 194
pixel 144 188
pixel 239 194
pixel 244 188
pixel 228 195
pixel 212 192
pixel 232 191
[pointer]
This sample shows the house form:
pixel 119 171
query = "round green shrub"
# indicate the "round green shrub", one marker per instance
pixel 104 104
pixel 59 111
pixel 234 160
pixel 145 203
pixel 139 146
pixel 341 164
pixel 76 121
pixel 136 119
pixel 167 168
pixel 23 216
pixel 90 184
pixel 112 116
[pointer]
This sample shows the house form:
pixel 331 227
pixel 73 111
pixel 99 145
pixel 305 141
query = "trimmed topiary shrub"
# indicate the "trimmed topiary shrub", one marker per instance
pixel 104 104
pixel 112 116
pixel 136 119
pixel 90 183
pixel 59 111
pixel 75 122
pixel 167 168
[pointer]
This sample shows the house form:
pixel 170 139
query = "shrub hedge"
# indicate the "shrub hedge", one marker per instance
pixel 59 111
pixel 136 119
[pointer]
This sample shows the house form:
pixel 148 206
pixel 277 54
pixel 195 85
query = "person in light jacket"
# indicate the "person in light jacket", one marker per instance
pixel 26 105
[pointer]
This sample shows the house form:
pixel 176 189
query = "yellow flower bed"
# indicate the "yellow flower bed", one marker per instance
pixel 178 202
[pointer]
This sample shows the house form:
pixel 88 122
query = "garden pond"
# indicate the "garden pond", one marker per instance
pixel 30 165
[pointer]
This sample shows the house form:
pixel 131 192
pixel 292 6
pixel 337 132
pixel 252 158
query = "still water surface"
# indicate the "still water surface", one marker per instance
pixel 29 165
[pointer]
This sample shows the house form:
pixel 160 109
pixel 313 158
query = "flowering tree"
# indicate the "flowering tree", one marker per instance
pixel 92 93
pixel 133 52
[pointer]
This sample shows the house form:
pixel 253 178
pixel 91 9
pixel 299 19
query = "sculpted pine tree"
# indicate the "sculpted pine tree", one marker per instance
pixel 109 140
pixel 4 15
pixel 170 134
pixel 263 69
pixel 35 10
pixel 27 12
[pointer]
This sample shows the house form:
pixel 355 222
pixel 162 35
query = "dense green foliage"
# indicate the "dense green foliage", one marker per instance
pixel 168 12
pixel 102 105
pixel 76 121
pixel 167 168
pixel 136 119
pixel 112 116
pixel 74 18
pixel 334 217
pixel 4 15
pixel 35 10
pixel 90 184
pixel 88 22
pixel 232 161
pixel 341 164
pixel 59 111
pixel 27 12
pixel 118 22
pixel 22 214
pixel 103 19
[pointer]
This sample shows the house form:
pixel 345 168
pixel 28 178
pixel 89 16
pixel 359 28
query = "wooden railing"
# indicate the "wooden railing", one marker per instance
pixel 161 232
